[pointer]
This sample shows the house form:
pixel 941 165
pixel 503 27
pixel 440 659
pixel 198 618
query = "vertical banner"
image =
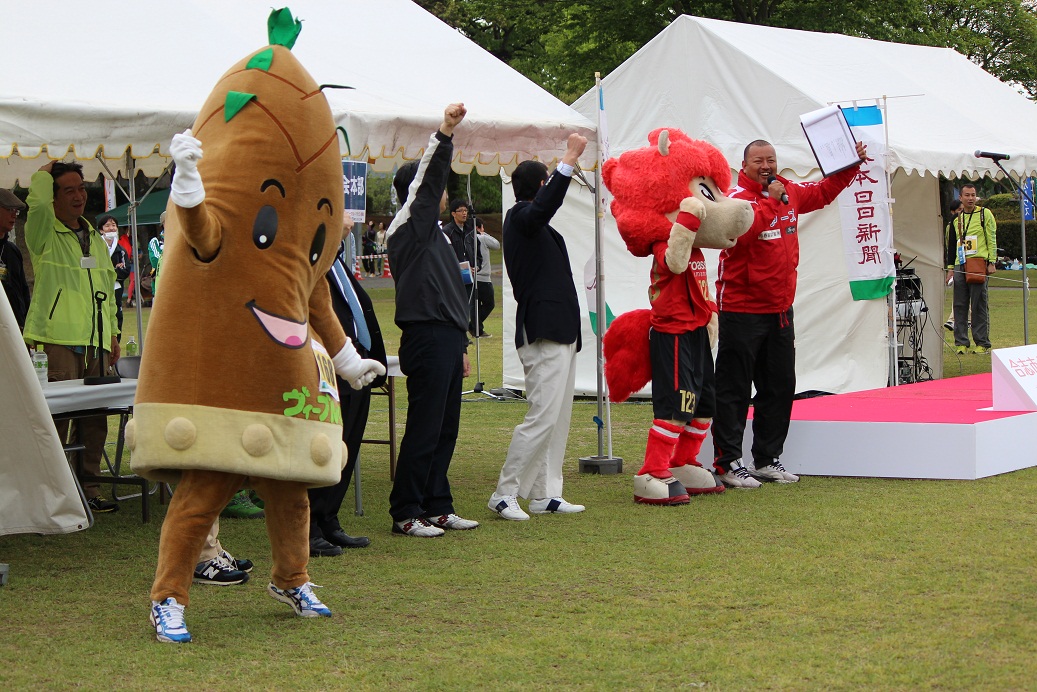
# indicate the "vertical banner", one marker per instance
pixel 354 181
pixel 590 270
pixel 109 194
pixel 1027 204
pixel 864 211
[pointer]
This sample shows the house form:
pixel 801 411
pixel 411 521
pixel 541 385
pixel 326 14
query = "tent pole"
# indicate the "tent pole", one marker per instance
pixel 891 298
pixel 602 463
pixel 1023 197
pixel 131 175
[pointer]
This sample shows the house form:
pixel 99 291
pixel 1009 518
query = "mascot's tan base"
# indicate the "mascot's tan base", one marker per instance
pixel 198 500
pixel 167 439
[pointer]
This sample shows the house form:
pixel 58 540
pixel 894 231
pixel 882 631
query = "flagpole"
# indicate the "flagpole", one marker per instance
pixel 601 463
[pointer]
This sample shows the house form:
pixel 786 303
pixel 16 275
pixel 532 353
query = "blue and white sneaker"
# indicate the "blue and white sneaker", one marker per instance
pixel 168 619
pixel 301 599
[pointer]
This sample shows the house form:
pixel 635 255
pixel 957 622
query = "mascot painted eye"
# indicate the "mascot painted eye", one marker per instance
pixel 706 192
pixel 264 228
pixel 318 244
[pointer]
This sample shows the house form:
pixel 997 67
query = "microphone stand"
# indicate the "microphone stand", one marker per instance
pixel 1023 197
pixel 100 297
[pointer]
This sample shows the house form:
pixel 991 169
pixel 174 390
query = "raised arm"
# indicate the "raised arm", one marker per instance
pixel 200 229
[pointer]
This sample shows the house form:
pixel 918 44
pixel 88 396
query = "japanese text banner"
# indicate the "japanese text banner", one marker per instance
pixel 864 212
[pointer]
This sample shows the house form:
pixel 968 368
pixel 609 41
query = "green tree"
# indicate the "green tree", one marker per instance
pixel 560 44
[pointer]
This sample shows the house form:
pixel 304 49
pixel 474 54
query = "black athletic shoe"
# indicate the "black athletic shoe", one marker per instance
pixel 99 505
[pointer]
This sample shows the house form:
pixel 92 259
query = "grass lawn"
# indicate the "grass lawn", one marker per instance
pixel 831 583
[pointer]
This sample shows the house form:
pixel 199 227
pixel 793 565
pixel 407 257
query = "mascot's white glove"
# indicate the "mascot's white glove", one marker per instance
pixel 713 329
pixel 682 234
pixel 358 372
pixel 187 190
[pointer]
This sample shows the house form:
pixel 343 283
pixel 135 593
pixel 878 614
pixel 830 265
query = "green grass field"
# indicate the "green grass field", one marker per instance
pixel 832 583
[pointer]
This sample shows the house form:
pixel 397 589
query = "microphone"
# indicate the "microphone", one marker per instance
pixel 784 195
pixel 991 155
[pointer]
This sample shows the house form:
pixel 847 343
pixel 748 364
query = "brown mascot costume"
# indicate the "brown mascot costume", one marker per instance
pixel 669 202
pixel 237 387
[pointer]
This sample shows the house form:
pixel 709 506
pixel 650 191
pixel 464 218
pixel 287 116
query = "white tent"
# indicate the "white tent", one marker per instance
pixel 732 83
pixel 117 78
pixel 107 75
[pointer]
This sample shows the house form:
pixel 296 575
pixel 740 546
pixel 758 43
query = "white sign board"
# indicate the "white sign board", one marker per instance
pixel 1014 375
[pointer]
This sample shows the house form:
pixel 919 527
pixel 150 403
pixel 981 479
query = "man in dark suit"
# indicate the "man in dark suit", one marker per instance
pixel 356 313
pixel 547 336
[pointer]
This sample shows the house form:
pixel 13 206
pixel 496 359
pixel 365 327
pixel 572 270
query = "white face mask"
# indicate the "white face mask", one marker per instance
pixel 111 239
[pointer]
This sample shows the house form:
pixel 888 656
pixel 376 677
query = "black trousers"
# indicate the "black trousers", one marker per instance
pixel 754 350
pixel 326 502
pixel 431 356
pixel 484 296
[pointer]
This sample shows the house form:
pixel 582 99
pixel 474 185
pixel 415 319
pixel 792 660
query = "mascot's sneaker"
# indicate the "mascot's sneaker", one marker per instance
pixel 417 527
pixel 697 480
pixel 650 490
pixel 775 473
pixel 507 506
pixel 168 619
pixel 739 477
pixel 453 522
pixel 554 505
pixel 301 599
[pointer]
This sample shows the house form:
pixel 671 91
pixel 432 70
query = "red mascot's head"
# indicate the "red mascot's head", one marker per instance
pixel 649 183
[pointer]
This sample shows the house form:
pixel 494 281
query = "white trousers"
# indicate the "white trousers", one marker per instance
pixel 533 467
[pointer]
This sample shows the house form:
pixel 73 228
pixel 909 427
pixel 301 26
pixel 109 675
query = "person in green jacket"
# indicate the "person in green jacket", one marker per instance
pixel 73 272
pixel 975 235
pixel 156 246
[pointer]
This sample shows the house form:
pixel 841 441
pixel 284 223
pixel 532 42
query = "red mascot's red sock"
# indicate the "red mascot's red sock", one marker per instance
pixel 692 436
pixel 661 440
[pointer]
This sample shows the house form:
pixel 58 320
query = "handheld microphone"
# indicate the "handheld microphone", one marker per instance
pixel 991 155
pixel 784 195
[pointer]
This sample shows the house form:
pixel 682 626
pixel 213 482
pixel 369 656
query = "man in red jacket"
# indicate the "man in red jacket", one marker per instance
pixel 755 289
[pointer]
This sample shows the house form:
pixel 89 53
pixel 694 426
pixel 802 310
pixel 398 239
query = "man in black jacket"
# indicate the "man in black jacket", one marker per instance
pixel 355 312
pixel 547 336
pixel 432 312
pixel 461 232
pixel 12 268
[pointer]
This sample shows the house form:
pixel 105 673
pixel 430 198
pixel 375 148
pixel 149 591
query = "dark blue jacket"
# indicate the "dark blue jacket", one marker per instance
pixel 538 266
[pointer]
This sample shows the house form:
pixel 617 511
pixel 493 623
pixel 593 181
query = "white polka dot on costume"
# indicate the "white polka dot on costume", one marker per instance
pixel 257 440
pixel 321 450
pixel 131 435
pixel 180 433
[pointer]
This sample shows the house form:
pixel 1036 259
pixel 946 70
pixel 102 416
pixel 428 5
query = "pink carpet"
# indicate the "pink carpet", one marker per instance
pixel 950 400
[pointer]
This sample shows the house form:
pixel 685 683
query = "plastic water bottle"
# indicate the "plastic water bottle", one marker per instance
pixel 131 347
pixel 39 363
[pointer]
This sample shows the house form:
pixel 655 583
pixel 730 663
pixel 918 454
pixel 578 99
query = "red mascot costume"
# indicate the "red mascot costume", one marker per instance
pixel 669 201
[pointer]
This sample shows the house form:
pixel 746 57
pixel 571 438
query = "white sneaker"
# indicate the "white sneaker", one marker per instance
pixel 775 472
pixel 507 506
pixel 452 521
pixel 417 527
pixel 739 477
pixel 554 505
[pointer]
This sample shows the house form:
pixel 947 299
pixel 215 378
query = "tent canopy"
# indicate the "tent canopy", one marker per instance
pixel 148 210
pixel 723 81
pixel 151 66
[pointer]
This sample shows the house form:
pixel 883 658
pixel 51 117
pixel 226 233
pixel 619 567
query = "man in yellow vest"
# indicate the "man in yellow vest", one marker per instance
pixel 975 238
pixel 73 302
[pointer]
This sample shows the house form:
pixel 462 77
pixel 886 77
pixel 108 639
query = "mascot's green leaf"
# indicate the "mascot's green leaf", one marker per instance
pixel 234 102
pixel 261 60
pixel 282 28
pixel 346 135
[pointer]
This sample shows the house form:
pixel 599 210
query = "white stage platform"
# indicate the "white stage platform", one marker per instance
pixel 942 429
